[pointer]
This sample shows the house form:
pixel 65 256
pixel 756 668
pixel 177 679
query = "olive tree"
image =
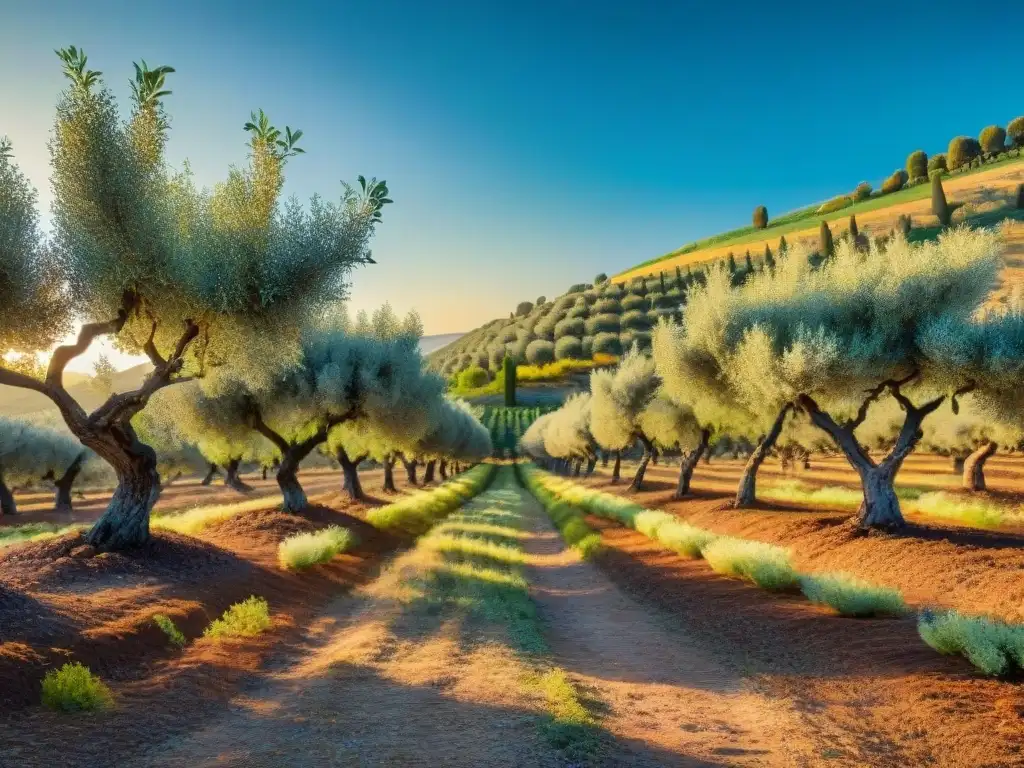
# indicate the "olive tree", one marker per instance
pixel 833 340
pixel 30 454
pixel 620 396
pixel 190 278
pixel 339 377
pixel 673 425
pixel 971 437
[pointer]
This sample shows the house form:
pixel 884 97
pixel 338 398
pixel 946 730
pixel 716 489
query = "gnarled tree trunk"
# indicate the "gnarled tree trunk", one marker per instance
pixel 350 472
pixel 577 465
pixel 604 458
pixel 591 463
pixel 210 474
pixel 442 468
pixel 974 467
pixel 7 504
pixel 638 478
pixel 617 468
pixel 957 461
pixel 428 471
pixel 389 475
pixel 746 492
pixel 880 507
pixel 62 501
pixel 689 463
pixel 125 523
pixel 231 478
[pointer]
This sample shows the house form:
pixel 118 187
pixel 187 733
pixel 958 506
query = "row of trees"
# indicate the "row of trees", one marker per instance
pixel 229 292
pixel 892 330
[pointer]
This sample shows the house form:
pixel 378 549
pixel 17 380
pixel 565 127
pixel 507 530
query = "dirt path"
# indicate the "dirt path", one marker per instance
pixel 656 686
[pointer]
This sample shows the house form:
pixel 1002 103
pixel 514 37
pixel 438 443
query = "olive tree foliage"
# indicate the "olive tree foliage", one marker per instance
pixel 971 437
pixel 831 341
pixel 567 435
pixel 30 454
pixel 672 425
pixel 620 396
pixel 339 377
pixel 189 417
pixel 191 278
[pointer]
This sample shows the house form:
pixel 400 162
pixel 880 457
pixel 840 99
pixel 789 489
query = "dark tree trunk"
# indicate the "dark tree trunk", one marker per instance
pixel 172 480
pixel 689 463
pixel 638 478
pixel 125 523
pixel 604 458
pixel 805 460
pixel 746 492
pixel 410 470
pixel 957 460
pixel 442 468
pixel 617 468
pixel 231 478
pixel 577 465
pixel 707 456
pixel 62 502
pixel 880 507
pixel 654 458
pixel 350 471
pixel 7 505
pixel 428 471
pixel 591 463
pixel 263 473
pixel 974 467
pixel 389 475
pixel 210 474
pixel 288 481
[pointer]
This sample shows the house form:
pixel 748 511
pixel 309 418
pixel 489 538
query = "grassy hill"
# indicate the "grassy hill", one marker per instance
pixel 27 404
pixel 609 317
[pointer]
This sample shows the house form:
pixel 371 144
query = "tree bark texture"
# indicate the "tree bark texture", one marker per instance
pixel 689 463
pixel 746 492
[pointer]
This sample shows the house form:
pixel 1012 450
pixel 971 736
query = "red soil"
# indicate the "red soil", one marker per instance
pixel 59 603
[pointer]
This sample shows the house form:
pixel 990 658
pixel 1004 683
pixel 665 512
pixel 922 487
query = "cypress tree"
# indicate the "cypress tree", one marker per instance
pixel 509 373
pixel 825 245
pixel 661 277
pixel 750 262
pixel 679 277
pixel 853 227
pixel 782 245
pixel 732 264
pixel 939 205
pixel 769 260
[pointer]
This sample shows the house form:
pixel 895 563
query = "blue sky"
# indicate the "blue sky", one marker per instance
pixel 530 145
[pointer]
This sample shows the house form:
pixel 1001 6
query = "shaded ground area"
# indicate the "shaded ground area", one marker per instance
pixel 932 563
pixel 58 605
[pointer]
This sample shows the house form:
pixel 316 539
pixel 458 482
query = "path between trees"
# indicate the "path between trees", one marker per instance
pixel 377 683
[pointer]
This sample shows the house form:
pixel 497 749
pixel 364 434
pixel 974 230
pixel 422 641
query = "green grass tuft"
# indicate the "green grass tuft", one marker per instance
pixel 850 596
pixel 248 618
pixel 304 550
pixel 18 534
pixel 173 633
pixel 682 538
pixel 569 726
pixel 416 514
pixel 73 688
pixel 195 520
pixel 980 513
pixel 994 647
pixel 765 565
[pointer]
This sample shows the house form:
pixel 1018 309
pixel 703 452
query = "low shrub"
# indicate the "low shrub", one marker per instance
pixel 937 163
pixel 760 217
pixel 195 520
pixel 994 647
pixel 567 518
pixel 850 596
pixel 917 164
pixel 168 627
pixel 248 618
pixel 682 538
pixel 569 348
pixel 635 320
pixel 304 550
pixel 835 204
pixel 607 305
pixel 632 301
pixel 416 514
pixel 473 377
pixel 571 326
pixel 862 192
pixel 895 182
pixel 73 688
pixel 605 323
pixel 962 150
pixel 765 565
pixel 587 344
pixel 607 344
pixel 992 139
pixel 539 352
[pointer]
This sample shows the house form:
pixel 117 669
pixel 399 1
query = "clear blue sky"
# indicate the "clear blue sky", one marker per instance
pixel 533 145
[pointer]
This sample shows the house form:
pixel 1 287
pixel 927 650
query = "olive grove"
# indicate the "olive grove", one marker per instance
pixel 193 279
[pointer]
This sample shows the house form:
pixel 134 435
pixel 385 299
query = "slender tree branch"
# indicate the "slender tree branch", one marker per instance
pixel 68 352
pixel 16 379
pixel 150 346
pixel 873 394
pixel 261 426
